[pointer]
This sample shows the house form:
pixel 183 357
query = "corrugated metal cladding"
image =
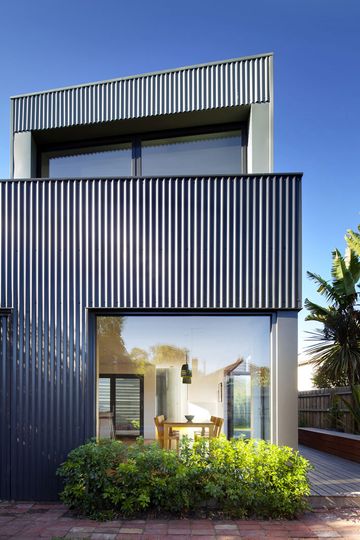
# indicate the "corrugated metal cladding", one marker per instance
pixel 5 342
pixel 125 243
pixel 224 84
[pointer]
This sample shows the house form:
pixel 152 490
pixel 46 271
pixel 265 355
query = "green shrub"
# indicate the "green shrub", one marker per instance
pixel 250 477
pixel 87 476
pixel 239 478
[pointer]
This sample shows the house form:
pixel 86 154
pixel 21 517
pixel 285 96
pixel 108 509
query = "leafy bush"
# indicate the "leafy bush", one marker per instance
pixel 322 379
pixel 249 477
pixel 239 478
pixel 87 479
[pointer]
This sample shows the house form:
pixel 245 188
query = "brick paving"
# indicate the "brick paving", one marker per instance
pixel 52 521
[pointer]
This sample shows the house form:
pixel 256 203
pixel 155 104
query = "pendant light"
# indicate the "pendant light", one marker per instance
pixel 186 372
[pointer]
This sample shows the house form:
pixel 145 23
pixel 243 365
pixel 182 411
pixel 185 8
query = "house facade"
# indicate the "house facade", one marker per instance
pixel 150 264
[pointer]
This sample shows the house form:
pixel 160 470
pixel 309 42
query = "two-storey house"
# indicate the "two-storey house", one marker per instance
pixel 149 265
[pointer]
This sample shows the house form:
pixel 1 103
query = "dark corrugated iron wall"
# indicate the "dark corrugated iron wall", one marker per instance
pixel 66 245
pixel 5 396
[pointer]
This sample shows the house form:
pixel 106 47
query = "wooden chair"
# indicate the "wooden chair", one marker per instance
pixel 218 424
pixel 173 435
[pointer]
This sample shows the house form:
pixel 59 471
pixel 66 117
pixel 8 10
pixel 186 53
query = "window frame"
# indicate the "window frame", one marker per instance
pixel 46 152
pixel 95 312
pixel 113 377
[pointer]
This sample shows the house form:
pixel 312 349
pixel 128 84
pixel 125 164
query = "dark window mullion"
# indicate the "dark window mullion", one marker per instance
pixel 244 147
pixel 136 156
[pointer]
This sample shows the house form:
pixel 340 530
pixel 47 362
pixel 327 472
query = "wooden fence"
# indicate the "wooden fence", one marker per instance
pixel 322 408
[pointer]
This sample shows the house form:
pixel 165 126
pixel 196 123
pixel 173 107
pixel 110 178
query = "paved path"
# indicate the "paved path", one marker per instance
pixel 335 479
pixel 51 521
pixel 332 476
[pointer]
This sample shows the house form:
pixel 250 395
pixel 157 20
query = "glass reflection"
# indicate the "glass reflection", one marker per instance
pixel 113 162
pixel 213 154
pixel 229 357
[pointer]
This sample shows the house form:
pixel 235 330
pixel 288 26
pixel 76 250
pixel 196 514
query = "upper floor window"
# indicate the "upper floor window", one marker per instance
pixel 187 155
pixel 214 153
pixel 91 162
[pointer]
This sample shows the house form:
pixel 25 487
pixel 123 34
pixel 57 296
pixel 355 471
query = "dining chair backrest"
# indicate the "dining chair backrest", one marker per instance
pixel 159 424
pixel 218 422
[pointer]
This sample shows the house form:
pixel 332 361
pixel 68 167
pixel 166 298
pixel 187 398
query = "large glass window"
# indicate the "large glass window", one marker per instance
pixel 215 153
pixel 228 359
pixel 114 161
pixel 190 155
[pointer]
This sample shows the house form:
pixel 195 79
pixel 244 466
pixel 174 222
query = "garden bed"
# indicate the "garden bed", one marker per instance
pixel 345 445
pixel 237 478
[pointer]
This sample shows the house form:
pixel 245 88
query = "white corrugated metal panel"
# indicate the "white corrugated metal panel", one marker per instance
pixel 197 88
pixel 66 245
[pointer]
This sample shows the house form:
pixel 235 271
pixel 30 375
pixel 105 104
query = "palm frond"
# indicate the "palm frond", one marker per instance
pixel 324 287
pixel 353 240
pixel 335 354
pixel 344 281
pixel 336 347
pixel 353 263
pixel 317 312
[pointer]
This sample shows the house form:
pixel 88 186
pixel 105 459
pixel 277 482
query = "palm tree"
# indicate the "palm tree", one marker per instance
pixel 353 240
pixel 336 351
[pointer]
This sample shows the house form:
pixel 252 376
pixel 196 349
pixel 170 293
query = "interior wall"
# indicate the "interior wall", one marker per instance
pixel 204 393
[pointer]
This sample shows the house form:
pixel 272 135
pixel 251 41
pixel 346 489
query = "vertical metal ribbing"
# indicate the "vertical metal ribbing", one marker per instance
pixel 137 244
pixel 229 255
pixel 274 276
pixel 189 283
pixel 131 243
pixel 219 85
pixel 252 280
pixel 169 260
pixel 195 245
pixel 144 286
pixel 234 247
pixel 201 245
pixel 182 243
pixel 4 353
pixel 222 254
pixel 213 228
pixel 3 234
pixel 163 270
pixel 122 243
pixel 176 239
pixel 5 399
pixel 157 254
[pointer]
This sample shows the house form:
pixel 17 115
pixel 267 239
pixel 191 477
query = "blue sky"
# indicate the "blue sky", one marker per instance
pixel 52 43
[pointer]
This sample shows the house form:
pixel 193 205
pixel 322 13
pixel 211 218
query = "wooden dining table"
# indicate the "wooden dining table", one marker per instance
pixel 169 424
